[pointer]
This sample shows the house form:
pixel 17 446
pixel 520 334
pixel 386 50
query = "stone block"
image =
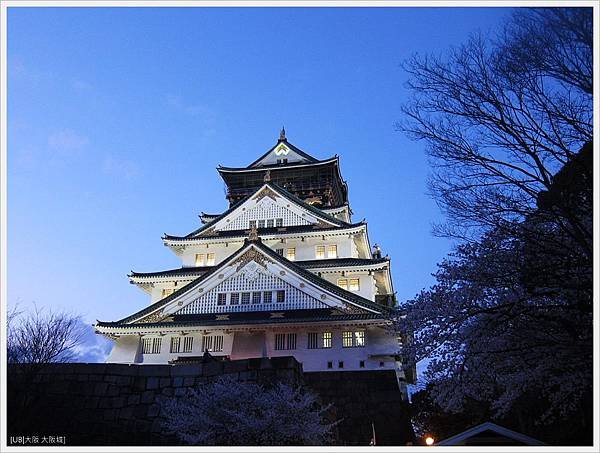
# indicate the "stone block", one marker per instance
pixel 180 392
pixel 177 381
pixel 249 375
pixel 154 370
pixel 110 414
pixel 100 388
pixel 122 369
pixel 124 380
pixel 104 403
pixel 188 382
pixel 187 370
pixel 152 383
pixel 147 397
pixel 235 366
pixel 165 382
pixel 153 410
pixel 82 377
pixel 139 384
pixel 92 402
pixel 212 369
pixel 133 399
pixel 113 390
pixel 111 378
pixel 126 412
pixel 167 391
pixel 117 402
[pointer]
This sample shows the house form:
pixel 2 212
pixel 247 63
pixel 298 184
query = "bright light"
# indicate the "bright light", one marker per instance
pixel 429 440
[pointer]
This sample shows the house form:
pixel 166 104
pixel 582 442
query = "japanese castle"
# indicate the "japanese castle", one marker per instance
pixel 284 271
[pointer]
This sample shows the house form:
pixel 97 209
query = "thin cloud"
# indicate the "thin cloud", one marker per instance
pixel 67 140
pixel 203 115
pixel 120 168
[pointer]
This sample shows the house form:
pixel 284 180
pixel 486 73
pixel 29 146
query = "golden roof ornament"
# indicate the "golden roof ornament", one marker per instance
pixel 267 177
pixel 253 236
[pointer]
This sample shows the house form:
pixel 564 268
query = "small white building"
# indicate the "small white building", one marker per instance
pixel 283 272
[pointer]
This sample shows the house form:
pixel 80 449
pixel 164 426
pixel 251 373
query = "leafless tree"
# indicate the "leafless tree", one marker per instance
pixel 42 336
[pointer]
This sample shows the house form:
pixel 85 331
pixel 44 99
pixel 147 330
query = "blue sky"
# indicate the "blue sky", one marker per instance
pixel 119 116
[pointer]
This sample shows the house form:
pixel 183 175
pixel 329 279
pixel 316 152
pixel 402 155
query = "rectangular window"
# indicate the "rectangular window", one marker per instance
pixel 359 338
pixel 146 345
pixel 329 364
pixel 279 341
pixel 340 364
pixel 313 340
pixel 256 298
pixel 188 343
pixel 280 296
pixel 279 222
pixel 252 224
pixel 245 298
pixel 199 259
pixel 361 364
pixel 261 223
pixel 332 251
pixel 320 252
pixel 156 342
pixel 221 299
pixel 347 339
pixel 291 341
pixel 353 339
pixel 291 254
pixel 354 284
pixel 269 223
pixel 218 344
pixel 167 292
pixel 234 298
pixel 175 343
pixel 267 297
pixel 326 340
pixel 207 343
pixel 279 251
pixel 210 259
pixel 343 283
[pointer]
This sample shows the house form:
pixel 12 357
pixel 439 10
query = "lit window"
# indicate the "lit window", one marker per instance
pixel 234 299
pixel 245 298
pixel 256 298
pixel 332 251
pixel 156 342
pixel 167 291
pixel 279 222
pixel 261 224
pixel 210 259
pixel 188 343
pixel 199 259
pixel 313 340
pixel 175 343
pixel 269 223
pixel 326 339
pixel 221 298
pixel 347 339
pixel 320 252
pixel 280 296
pixel 267 297
pixel 353 339
pixel 252 224
pixel 343 283
pixel 212 343
pixel 359 338
pixel 354 284
pixel 291 254
pixel 279 251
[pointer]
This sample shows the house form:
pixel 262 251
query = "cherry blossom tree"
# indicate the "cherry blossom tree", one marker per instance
pixel 229 412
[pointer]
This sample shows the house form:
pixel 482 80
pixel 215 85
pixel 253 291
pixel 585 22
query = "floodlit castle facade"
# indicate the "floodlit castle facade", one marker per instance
pixel 283 271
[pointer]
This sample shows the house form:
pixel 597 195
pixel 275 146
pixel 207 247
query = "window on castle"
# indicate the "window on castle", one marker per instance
pixel 221 298
pixel 341 364
pixel 261 223
pixel 245 298
pixel 156 342
pixel 326 340
pixel 285 341
pixel 280 296
pixel 212 343
pixel 332 251
pixel 361 364
pixel 175 344
pixel 207 343
pixel 252 224
pixel 313 340
pixel 343 283
pixel 210 259
pixel 256 298
pixel 353 339
pixel 200 259
pixel 269 223
pixel 167 292
pixel 146 345
pixel 291 254
pixel 329 364
pixel 234 299
pixel 218 346
pixel 188 343
pixel 279 251
pixel 320 252
pixel 278 222
pixel 267 297
pixel 352 284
